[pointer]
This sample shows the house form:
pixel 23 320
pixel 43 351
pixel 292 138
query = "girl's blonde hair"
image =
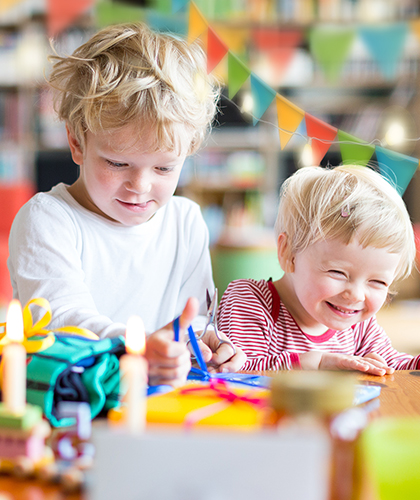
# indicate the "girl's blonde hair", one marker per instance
pixel 345 202
pixel 128 74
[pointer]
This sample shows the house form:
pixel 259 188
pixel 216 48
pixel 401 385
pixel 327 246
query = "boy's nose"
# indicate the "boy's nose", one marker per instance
pixel 139 183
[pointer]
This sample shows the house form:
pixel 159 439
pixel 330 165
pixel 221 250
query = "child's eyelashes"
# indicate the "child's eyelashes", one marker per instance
pixel 116 164
pixel 380 283
pixel 164 170
pixel 337 273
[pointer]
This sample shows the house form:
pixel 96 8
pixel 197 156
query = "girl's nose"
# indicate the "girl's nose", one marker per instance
pixel 355 292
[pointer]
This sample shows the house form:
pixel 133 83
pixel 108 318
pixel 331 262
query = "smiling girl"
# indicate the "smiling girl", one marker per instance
pixel 344 237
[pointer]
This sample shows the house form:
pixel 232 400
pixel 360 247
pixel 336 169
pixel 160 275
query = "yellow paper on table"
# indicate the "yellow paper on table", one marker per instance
pixel 198 404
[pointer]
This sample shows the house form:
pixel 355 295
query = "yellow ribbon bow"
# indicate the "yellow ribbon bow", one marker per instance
pixel 38 329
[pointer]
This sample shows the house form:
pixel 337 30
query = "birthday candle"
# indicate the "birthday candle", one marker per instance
pixel 14 361
pixel 133 368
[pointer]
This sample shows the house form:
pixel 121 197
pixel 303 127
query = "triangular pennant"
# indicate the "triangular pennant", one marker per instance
pixel 280 59
pixel 322 134
pixel 353 150
pixel 262 96
pixel 62 13
pixel 289 117
pixel 267 39
pixel 330 47
pixel 165 23
pixel 216 50
pixel 178 5
pixel 398 169
pixel 237 74
pixel 197 25
pixel 385 43
pixel 107 13
pixel 235 38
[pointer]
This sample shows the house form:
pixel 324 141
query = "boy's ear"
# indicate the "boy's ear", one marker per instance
pixel 286 259
pixel 75 148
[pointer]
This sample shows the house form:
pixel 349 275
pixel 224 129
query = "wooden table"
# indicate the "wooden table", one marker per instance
pixel 400 396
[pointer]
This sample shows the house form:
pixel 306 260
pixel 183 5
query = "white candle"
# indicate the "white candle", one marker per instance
pixel 14 361
pixel 133 367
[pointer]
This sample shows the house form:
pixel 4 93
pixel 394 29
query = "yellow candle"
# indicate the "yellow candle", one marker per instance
pixel 14 361
pixel 133 367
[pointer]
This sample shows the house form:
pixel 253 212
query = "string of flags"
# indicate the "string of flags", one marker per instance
pixel 395 166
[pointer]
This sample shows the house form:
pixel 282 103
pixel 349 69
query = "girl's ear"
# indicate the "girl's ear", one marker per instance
pixel 75 148
pixel 284 254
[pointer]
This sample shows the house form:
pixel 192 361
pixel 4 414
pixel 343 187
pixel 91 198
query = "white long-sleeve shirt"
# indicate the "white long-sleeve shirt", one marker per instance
pixel 254 317
pixel 96 273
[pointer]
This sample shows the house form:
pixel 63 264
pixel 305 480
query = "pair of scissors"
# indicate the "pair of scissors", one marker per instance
pixel 212 305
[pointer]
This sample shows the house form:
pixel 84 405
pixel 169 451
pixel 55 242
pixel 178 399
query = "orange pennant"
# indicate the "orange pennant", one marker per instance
pixel 289 117
pixel 197 25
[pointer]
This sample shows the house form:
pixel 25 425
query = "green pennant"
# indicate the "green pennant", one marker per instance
pixel 330 46
pixel 237 74
pixel 108 13
pixel 356 153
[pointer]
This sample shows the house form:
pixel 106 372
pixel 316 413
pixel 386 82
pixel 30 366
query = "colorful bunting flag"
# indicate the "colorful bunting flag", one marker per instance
pixel 353 150
pixel 197 25
pixel 62 13
pixel 330 47
pixel 289 117
pixel 235 38
pixel 216 49
pixel 322 135
pixel 107 13
pixel 385 43
pixel 397 168
pixel 262 96
pixel 178 5
pixel 237 74
pixel 166 23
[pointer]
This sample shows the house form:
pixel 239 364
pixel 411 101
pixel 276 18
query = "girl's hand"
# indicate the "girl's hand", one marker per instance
pixel 170 361
pixel 372 364
pixel 220 357
pixel 380 361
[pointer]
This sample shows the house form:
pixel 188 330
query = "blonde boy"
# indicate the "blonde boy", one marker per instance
pixel 117 242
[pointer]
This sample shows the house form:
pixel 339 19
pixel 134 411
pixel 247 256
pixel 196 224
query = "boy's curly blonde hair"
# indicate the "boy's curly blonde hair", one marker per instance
pixel 345 202
pixel 128 74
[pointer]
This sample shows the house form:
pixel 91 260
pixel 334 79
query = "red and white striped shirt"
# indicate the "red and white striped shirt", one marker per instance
pixel 252 314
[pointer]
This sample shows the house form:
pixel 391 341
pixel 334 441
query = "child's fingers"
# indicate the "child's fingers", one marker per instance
pixel 161 349
pixel 228 359
pixel 365 366
pixel 379 361
pixel 169 376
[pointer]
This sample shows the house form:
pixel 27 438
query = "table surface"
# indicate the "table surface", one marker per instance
pixel 400 396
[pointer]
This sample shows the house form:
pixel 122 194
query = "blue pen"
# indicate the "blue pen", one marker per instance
pixel 194 344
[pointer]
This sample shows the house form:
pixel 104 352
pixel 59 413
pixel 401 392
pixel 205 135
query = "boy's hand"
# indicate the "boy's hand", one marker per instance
pixel 221 357
pixel 170 361
pixel 372 363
